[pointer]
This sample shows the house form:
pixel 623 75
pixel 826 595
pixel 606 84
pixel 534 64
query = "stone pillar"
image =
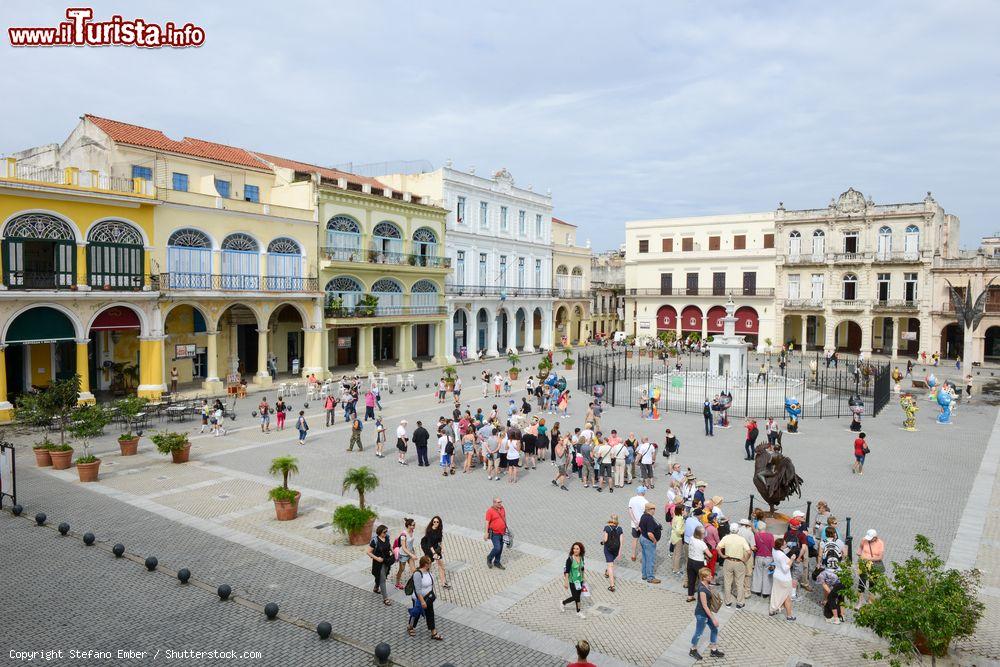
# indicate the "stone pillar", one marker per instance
pixel 82 363
pixel 444 340
pixel 529 331
pixel 491 335
pixel 829 344
pixel 866 334
pixel 212 383
pixel 547 328
pixel 805 331
pixel 81 268
pixel 897 331
pixel 6 409
pixel 406 348
pixel 365 349
pixel 263 377
pixel 151 384
pixel 312 355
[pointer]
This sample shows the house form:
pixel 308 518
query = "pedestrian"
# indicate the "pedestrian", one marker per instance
pixel 760 582
pixel 631 461
pixel 491 451
pixel 968 386
pixel 771 430
pixel 530 444
pixel 174 377
pixel 403 550
pixel 602 457
pixel 706 412
pixel 430 545
pixel 697 555
pixel 219 420
pixel 870 555
pixel 909 368
pixel 380 551
pixel 573 577
pixel 497 384
pixel 554 434
pixel 618 460
pixel 513 459
pixel 562 457
pixel 423 599
pixel 797 548
pixel 206 415
pixel 456 390
pixel 442 390
pixel 636 508
pixel 677 546
pixel 420 438
pixel 496 528
pixel 752 433
pixel 468 450
pixel 737 554
pixel 644 403
pixel 542 438
pixel 356 428
pixel 646 453
pixel 671 447
pixel 611 538
pixel 265 415
pixel 330 407
pixel 369 405
pixel 402 439
pixel 302 426
pixel 704 616
pixel 833 594
pixel 781 586
pixel 582 651
pixel 861 451
pixel 650 532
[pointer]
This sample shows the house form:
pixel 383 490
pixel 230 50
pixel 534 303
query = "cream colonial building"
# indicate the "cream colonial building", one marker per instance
pixel 679 273
pixel 857 276
pixel 499 293
pixel 571 264
pixel 607 286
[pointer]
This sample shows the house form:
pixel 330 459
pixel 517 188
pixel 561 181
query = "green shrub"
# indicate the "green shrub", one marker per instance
pixel 281 494
pixel 44 443
pixel 169 442
pixel 89 458
pixel 351 518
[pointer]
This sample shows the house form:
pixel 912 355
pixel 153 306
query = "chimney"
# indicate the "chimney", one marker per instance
pixel 407 196
pixel 342 183
pixel 366 188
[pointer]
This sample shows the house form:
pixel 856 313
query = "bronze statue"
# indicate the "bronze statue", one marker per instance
pixel 969 313
pixel 774 475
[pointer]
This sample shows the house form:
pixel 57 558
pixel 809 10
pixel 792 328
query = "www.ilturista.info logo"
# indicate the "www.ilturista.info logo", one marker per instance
pixel 80 30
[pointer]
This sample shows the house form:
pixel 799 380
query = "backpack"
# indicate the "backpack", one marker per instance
pixel 409 586
pixel 832 555
pixel 714 601
pixel 792 542
pixel 614 541
pixel 449 449
pixel 811 542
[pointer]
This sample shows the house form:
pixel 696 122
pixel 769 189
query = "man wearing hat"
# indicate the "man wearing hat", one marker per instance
pixel 745 530
pixel 699 493
pixel 735 551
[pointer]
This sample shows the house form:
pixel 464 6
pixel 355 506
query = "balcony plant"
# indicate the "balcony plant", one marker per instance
pixel 356 521
pixel 88 422
pixel 175 444
pixel 53 406
pixel 335 306
pixel 513 359
pixel 286 501
pixel 129 409
pixel 568 357
pixel 366 306
pixel 922 607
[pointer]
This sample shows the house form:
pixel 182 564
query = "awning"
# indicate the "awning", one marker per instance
pixel 691 319
pixel 747 321
pixel 666 318
pixel 40 325
pixel 116 318
pixel 715 315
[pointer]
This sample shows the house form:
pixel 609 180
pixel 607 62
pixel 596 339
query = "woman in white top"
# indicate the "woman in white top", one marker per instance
pixel 423 599
pixel 696 560
pixel 781 587
pixel 513 460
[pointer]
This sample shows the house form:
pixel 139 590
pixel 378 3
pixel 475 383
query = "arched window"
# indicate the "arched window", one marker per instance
pixel 577 281
pixel 240 262
pixel 911 242
pixel 562 279
pixel 39 252
pixel 387 243
pixel 343 239
pixel 390 296
pixel 883 249
pixel 424 298
pixel 284 265
pixel 794 243
pixel 819 245
pixel 115 256
pixel 425 246
pixel 189 260
pixel 850 287
pixel 342 295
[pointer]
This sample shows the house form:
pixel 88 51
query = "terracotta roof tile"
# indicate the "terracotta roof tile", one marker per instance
pixel 144 137
pixel 325 172
pixel 562 222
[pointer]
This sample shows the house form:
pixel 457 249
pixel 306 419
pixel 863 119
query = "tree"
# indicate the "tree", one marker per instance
pixel 56 402
pixel 88 422
pixel 362 480
pixel 284 466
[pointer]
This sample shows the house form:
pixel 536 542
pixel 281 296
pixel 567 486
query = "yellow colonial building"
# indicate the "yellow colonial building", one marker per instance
pixel 571 281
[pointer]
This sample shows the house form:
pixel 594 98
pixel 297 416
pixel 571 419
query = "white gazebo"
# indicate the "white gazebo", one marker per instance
pixel 728 352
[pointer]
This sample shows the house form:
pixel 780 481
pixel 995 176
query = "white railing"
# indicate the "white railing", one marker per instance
pixel 12 169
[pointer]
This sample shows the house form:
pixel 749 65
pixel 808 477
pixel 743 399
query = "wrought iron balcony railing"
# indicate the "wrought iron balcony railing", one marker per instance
pixel 338 312
pixel 895 304
pixel 359 255
pixel 496 290
pixel 702 291
pixel 236 283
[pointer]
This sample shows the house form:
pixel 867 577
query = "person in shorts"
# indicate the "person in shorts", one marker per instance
pixel 265 416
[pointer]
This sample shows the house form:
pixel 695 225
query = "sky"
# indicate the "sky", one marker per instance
pixel 625 110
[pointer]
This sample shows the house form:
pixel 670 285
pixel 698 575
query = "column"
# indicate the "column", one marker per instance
pixel 312 361
pixel 262 377
pixel 805 330
pixel 212 383
pixel 829 344
pixel 83 370
pixel 81 267
pixel 444 342
pixel 547 328
pixel 491 335
pixel 529 330
pixel 6 409
pixel 704 323
pixel 897 329
pixel 151 383
pixel 365 348
pixel 406 362
pixel 866 334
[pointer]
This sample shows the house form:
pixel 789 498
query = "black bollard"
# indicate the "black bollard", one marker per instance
pixel 382 654
pixel 118 550
pixel 88 539
pixel 63 528
pixel 151 563
pixel 40 518
pixel 224 591
pixel 16 510
pixel 324 630
pixel 183 575
pixel 271 610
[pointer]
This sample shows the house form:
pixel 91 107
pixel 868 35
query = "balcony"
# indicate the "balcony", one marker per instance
pixel 65 280
pixel 360 256
pixel 236 283
pixel 72 178
pixel 847 304
pixel 851 257
pixel 803 260
pixel 702 291
pixel 803 303
pixel 496 290
pixel 361 311
pixel 901 257
pixel 895 304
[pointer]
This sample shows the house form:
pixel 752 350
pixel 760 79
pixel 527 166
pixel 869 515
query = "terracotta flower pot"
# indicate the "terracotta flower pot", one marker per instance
pixel 88 471
pixel 128 446
pixel 362 536
pixel 449 385
pixel 61 460
pixel 287 510
pixel 514 374
pixel 181 455
pixel 568 367
pixel 628 354
pixel 42 457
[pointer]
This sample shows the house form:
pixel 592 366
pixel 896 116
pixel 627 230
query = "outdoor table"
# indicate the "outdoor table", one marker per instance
pixel 177 413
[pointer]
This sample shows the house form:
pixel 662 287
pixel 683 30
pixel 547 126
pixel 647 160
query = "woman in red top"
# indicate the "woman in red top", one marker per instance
pixel 712 540
pixel 860 451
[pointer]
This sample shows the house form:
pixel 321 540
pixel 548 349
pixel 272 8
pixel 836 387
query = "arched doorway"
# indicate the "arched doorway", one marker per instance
pixel 691 319
pixel 460 323
pixel 520 326
pixel 189 259
pixel 666 318
pixel 287 345
pixel 343 239
pixel 792 331
pixel 562 325
pixel 284 265
pixel 503 325
pixel 243 343
pixel 910 335
pixel 991 350
pixel 748 324
pixel 186 344
pixel 577 326
pixel 847 337
pixel 952 341
pixel 113 350
pixel 240 262
pixel 482 329
pixel 425 247
pixel 536 328
pixel 115 256
pixel 40 348
pixel 387 243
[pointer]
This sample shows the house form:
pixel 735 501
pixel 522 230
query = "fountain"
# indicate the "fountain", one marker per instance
pixel 728 352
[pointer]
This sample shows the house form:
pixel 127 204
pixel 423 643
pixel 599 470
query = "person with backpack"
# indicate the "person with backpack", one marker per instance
pixel 706 412
pixel 860 452
pixel 707 604
pixel 420 588
pixel 303 426
pixel 403 550
pixel 797 545
pixel 752 434
pixel 831 549
pixel 380 551
pixel 611 538
pixel 671 447
pixel 356 428
pixel 330 408
pixel 265 415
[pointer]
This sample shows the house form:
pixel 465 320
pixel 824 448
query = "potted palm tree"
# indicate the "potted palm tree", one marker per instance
pixel 175 444
pixel 286 501
pixel 129 409
pixel 629 343
pixel 450 373
pixel 544 367
pixel 88 422
pixel 513 359
pixel 568 358
pixel 356 521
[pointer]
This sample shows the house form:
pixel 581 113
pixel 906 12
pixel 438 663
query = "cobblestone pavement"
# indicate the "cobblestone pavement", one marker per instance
pixel 213 516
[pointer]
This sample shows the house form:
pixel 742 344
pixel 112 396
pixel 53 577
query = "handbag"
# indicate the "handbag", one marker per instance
pixel 714 601
pixel 508 538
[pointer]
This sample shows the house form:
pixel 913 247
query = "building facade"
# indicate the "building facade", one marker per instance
pixel 499 292
pixel 607 286
pixel 679 273
pixel 571 278
pixel 857 276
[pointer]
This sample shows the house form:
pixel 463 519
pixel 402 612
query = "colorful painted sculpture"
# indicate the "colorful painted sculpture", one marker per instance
pixel 932 385
pixel 655 403
pixel 910 409
pixel 793 409
pixel 857 409
pixel 945 397
pixel 725 402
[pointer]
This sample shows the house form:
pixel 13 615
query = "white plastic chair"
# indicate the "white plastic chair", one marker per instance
pixel 293 389
pixel 399 381
pixel 311 393
pixel 411 381
pixel 282 390
pixel 324 390
pixel 383 382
